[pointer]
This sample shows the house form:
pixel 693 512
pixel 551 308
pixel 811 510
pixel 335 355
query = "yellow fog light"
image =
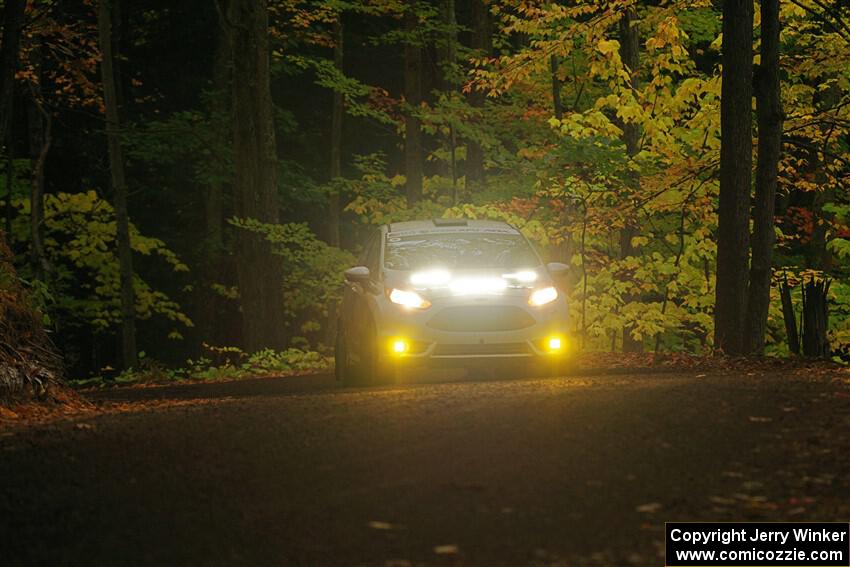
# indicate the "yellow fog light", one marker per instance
pixel 555 344
pixel 399 346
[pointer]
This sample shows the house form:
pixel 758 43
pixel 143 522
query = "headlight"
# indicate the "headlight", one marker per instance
pixel 478 286
pixel 430 278
pixel 543 296
pixel 409 299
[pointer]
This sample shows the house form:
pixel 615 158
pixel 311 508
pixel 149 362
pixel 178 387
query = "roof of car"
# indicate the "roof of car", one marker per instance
pixel 436 226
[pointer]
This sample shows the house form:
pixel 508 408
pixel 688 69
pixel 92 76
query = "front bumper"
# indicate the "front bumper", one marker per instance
pixel 461 330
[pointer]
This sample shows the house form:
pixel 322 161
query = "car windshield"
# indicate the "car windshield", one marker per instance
pixel 469 250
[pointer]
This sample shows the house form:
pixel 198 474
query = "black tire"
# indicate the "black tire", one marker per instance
pixel 342 366
pixel 348 373
pixel 375 369
pixel 371 369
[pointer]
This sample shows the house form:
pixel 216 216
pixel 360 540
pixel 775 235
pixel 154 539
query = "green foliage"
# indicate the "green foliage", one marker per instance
pixel 20 181
pixel 234 365
pixel 702 25
pixel 82 286
pixel 313 277
pixel 357 96
pixel 292 359
pixel 637 227
pixel 195 137
pixel 377 198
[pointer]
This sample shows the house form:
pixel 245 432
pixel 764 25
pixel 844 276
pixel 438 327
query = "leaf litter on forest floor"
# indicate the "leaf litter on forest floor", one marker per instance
pixel 446 549
pixel 377 525
pixel 650 508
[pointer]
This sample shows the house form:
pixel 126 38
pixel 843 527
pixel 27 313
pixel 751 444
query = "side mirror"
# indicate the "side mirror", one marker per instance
pixel 358 274
pixel 557 269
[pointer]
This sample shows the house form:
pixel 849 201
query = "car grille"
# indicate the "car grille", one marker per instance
pixel 493 349
pixel 481 318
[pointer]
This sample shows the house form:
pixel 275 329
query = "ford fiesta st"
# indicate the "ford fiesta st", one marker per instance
pixel 449 291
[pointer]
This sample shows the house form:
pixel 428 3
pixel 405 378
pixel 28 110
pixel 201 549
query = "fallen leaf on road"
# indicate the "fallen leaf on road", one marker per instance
pixel 721 500
pixel 803 500
pixel 446 549
pixel 756 419
pixel 650 508
pixel 7 413
pixel 84 426
pixel 380 525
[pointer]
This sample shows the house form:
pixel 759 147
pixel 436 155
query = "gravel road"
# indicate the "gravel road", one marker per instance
pixel 296 471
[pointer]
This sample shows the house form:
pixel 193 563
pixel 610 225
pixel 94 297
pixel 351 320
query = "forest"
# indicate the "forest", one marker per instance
pixel 184 183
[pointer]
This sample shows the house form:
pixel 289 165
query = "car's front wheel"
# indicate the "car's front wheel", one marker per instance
pixel 375 368
pixel 371 367
pixel 342 365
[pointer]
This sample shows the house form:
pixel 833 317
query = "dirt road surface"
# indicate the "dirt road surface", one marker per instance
pixel 297 471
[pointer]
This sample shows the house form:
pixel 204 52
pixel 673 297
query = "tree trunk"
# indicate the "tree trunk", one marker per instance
pixel 214 202
pixel 769 115
pixel 260 272
pixel 557 105
pixel 334 205
pixel 815 318
pixel 481 42
pixel 40 129
pixel 119 185
pixel 214 264
pixel 447 53
pixel 13 19
pixel 789 317
pixel 413 96
pixel 336 138
pixel 818 255
pixel 630 55
pixel 10 173
pixel 447 46
pixel 735 176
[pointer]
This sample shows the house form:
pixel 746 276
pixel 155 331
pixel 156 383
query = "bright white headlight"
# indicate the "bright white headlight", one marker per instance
pixel 543 296
pixel 472 286
pixel 430 278
pixel 409 299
